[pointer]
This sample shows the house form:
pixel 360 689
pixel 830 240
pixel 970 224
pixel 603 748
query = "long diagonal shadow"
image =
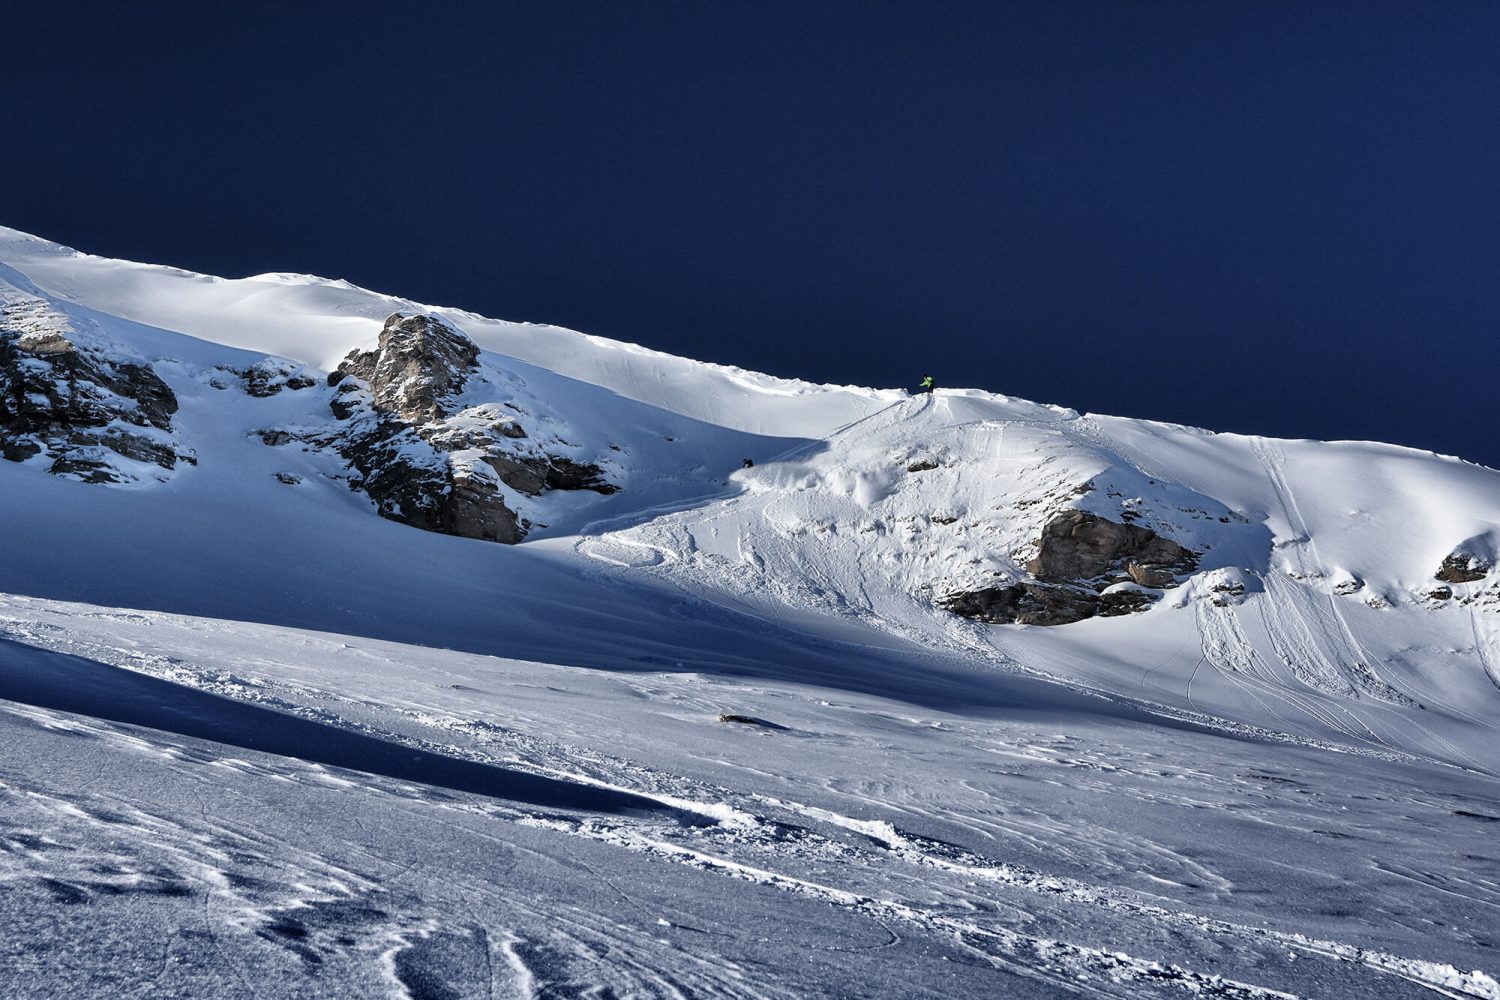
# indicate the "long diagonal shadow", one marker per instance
pixel 67 683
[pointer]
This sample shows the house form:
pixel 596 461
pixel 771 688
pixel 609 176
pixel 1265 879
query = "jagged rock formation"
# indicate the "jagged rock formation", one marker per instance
pixel 418 369
pixel 1086 566
pixel 425 458
pixel 79 408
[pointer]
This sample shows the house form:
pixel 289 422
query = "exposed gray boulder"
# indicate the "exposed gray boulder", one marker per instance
pixel 1125 599
pixel 1046 604
pixel 565 474
pixel 413 483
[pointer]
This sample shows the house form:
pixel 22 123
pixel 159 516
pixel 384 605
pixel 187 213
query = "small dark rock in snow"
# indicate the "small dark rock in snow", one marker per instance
pixel 749 720
pixel 1125 601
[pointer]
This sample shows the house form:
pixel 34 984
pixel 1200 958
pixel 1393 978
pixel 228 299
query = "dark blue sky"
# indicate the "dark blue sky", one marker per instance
pixel 1267 217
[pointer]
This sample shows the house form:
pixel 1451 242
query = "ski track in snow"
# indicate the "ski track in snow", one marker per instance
pixel 1276 781
pixel 744 836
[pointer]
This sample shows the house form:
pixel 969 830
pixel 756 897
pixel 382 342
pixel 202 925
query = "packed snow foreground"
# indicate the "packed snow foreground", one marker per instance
pixel 355 647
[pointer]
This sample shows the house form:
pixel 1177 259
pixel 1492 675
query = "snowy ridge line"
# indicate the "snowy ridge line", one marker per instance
pixel 1013 947
pixel 743 377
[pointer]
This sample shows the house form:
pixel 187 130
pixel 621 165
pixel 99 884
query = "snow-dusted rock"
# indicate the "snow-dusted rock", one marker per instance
pixel 267 378
pixel 86 414
pixel 1469 562
pixel 1086 565
pixel 430 455
pixel 418 369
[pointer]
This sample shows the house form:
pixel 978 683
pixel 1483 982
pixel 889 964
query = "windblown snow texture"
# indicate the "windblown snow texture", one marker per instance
pixel 948 694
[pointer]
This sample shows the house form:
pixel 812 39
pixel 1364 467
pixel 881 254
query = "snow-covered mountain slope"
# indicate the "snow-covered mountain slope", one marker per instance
pixel 216 597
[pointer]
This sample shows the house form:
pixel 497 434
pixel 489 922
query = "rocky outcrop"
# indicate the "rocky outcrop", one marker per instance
pixel 1463 567
pixel 417 370
pixel 81 409
pixel 267 378
pixel 1077 546
pixel 1025 604
pixel 1086 566
pixel 424 457
pixel 1047 604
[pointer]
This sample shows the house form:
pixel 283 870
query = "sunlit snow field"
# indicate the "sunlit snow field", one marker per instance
pixel 257 741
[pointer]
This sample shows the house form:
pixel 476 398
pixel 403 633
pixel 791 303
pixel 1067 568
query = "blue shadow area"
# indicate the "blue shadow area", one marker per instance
pixel 67 683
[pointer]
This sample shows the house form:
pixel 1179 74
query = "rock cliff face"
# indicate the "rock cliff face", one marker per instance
pixel 425 457
pixel 1086 566
pixel 418 369
pixel 87 415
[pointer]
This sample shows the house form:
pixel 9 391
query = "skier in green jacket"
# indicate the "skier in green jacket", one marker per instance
pixel 926 384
